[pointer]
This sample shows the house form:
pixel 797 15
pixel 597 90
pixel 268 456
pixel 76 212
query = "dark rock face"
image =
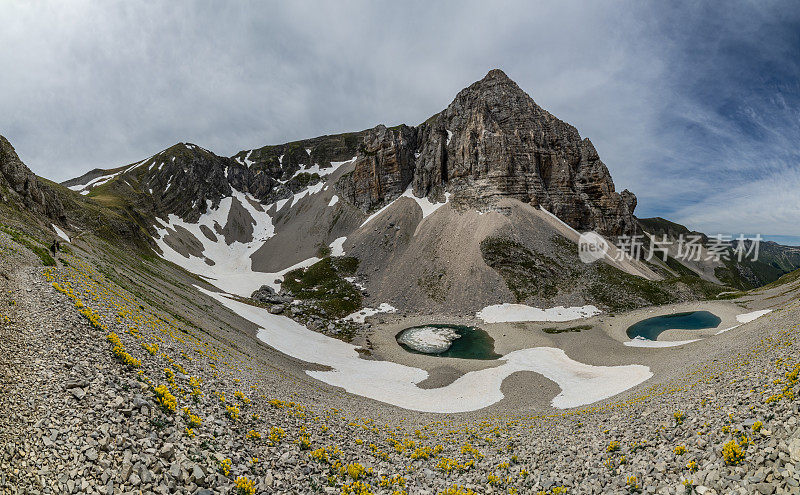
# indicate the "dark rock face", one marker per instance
pixel 493 141
pixel 281 161
pixel 189 172
pixel 383 169
pixel 19 185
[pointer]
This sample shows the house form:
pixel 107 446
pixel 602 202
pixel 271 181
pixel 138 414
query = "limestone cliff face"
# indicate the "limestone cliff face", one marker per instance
pixel 493 141
pixel 19 185
pixel 384 168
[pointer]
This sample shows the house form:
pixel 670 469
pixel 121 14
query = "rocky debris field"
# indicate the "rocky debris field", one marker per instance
pixel 104 394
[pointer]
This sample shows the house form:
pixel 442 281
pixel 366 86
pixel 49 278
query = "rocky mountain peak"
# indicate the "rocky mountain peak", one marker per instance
pixel 492 142
pixel 496 86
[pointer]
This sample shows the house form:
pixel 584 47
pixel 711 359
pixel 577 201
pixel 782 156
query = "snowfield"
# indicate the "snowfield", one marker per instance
pixel 360 316
pixel 229 266
pixel 396 384
pixel 231 270
pixel 507 312
pixel 748 317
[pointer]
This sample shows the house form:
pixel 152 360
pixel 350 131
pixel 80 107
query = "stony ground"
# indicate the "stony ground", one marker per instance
pixel 105 394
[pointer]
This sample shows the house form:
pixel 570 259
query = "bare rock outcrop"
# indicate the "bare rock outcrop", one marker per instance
pixel 19 185
pixel 384 167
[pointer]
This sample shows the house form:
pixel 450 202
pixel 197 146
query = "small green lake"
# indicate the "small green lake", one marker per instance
pixel 456 341
pixel 651 328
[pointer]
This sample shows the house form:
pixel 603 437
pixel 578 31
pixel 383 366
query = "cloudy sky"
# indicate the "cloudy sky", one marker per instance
pixel 695 108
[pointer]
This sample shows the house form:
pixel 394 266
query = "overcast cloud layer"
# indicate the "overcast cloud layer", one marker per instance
pixel 696 109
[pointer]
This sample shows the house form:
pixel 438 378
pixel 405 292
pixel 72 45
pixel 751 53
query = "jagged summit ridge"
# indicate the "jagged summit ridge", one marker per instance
pixel 493 141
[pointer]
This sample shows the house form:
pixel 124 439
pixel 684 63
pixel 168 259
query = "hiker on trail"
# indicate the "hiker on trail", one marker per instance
pixel 55 247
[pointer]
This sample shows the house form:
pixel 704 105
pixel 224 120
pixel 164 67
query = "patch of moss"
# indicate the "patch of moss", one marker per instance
pixel 324 283
pixel 576 328
pixel 431 284
pixel 525 272
pixel 619 291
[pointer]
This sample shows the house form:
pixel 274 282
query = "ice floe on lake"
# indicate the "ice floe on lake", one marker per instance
pixel 430 340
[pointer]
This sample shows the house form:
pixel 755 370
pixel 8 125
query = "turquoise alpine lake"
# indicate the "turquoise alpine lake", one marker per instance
pixel 651 328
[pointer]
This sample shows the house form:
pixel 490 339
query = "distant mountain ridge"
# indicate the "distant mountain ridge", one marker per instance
pixel 773 260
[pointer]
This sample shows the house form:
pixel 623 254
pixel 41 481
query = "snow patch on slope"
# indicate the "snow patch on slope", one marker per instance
pixel 322 172
pixel 97 181
pixel 748 317
pixel 424 203
pixel 507 312
pixel 337 246
pixel 360 316
pixel 60 233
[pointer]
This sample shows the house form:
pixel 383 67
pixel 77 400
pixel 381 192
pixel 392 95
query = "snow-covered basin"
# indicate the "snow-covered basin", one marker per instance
pixel 507 312
pixel 396 384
